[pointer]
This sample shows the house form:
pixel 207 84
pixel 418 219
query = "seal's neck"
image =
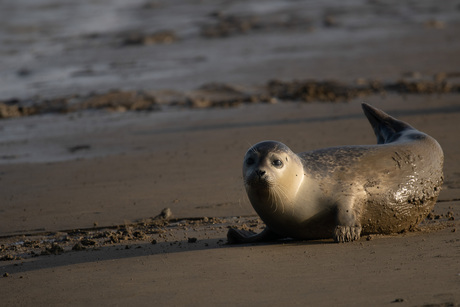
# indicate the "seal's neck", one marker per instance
pixel 278 196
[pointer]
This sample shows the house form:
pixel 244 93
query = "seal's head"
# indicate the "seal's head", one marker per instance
pixel 272 174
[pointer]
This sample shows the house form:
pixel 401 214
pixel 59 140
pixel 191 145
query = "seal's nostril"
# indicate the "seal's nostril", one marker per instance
pixel 260 173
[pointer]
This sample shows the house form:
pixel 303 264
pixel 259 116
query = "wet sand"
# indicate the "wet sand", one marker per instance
pixel 82 191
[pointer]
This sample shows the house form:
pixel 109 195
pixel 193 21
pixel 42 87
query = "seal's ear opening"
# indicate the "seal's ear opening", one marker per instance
pixel 385 126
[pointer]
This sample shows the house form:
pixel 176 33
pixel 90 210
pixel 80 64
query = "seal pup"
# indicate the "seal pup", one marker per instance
pixel 344 192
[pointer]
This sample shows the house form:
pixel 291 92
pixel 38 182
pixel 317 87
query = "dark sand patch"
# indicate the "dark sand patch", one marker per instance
pixel 225 95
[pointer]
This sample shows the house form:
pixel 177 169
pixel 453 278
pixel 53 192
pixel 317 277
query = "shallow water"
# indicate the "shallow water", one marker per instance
pixel 54 48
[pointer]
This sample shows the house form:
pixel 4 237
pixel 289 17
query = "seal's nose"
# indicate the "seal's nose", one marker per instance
pixel 260 173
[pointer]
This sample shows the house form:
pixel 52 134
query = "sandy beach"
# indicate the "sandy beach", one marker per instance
pixel 122 132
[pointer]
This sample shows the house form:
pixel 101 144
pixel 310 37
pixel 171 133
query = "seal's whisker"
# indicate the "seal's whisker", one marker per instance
pixel 272 199
pixel 277 196
pixel 282 195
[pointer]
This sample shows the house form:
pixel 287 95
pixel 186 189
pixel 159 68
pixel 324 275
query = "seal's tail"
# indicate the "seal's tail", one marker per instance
pixel 385 127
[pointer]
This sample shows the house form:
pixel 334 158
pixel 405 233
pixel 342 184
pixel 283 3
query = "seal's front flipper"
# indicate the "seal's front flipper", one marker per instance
pixel 385 127
pixel 348 226
pixel 237 236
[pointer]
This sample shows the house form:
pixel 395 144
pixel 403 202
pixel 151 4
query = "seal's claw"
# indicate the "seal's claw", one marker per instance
pixel 238 236
pixel 347 233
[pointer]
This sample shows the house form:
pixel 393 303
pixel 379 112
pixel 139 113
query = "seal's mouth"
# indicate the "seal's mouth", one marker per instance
pixel 266 192
pixel 255 181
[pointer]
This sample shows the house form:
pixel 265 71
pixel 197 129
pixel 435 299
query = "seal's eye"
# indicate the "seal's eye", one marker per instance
pixel 277 163
pixel 250 161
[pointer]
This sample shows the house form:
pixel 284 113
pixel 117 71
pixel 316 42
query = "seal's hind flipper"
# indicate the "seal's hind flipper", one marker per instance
pixel 238 236
pixel 385 127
